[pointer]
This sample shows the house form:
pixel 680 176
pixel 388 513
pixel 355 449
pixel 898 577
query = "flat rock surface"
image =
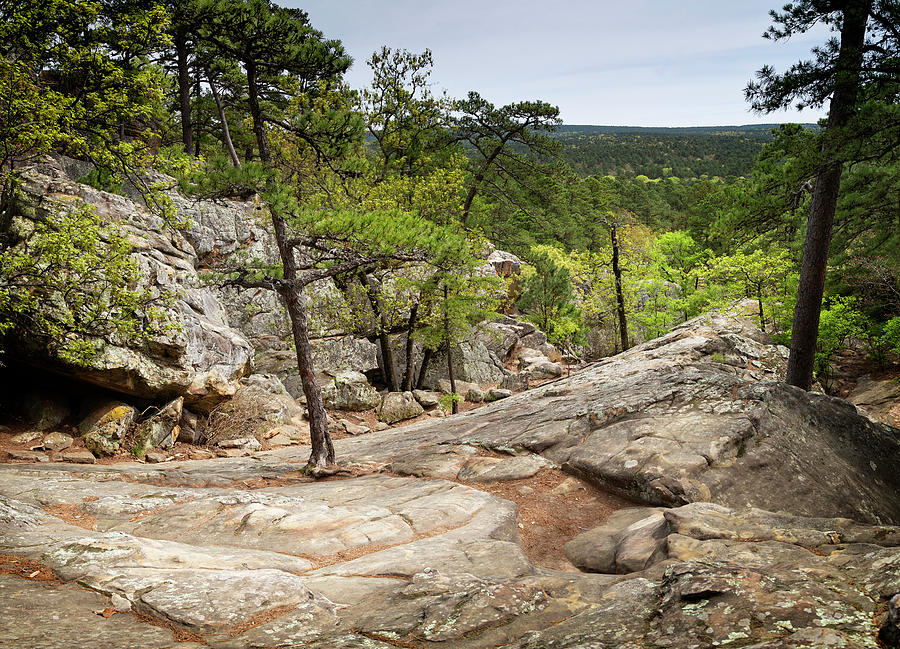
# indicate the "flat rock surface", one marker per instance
pixel 797 547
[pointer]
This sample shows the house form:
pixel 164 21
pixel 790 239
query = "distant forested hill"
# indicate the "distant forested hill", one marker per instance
pixel 662 152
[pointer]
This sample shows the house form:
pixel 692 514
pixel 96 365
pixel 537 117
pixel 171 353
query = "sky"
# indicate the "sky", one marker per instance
pixel 631 63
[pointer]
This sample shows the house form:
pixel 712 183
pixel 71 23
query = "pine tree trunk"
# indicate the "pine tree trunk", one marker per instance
pixel 410 349
pixel 455 406
pixel 384 341
pixel 620 297
pixel 184 90
pixel 226 133
pixel 423 368
pixel 322 452
pixel 805 329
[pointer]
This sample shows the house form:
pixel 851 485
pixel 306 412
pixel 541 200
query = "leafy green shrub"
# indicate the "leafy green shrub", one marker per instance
pixel 838 323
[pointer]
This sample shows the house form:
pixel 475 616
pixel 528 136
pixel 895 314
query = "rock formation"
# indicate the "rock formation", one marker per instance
pixel 767 518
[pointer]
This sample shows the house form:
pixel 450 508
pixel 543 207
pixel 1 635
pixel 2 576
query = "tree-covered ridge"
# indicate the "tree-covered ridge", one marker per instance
pixel 726 151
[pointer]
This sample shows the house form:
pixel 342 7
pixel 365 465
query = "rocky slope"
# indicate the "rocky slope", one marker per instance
pixel 768 520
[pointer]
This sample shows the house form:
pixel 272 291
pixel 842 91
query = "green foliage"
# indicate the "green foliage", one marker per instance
pixel 547 300
pixel 73 77
pixel 838 323
pixel 71 282
pixel 767 277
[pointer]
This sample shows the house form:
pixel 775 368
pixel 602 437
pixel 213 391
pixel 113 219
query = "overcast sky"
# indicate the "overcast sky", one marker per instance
pixel 637 62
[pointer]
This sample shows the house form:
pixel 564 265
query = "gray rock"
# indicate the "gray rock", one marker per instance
pixel 397 406
pixel 485 469
pixel 515 382
pixel 205 360
pixel 335 355
pixel 878 400
pixel 27 456
pixel 79 456
pixel 244 443
pixel 427 398
pixel 494 394
pixel 353 429
pixel 27 436
pixel 351 392
pixel 474 395
pixel 597 550
pixel 160 430
pixel 57 441
pixel 105 426
pixel 155 457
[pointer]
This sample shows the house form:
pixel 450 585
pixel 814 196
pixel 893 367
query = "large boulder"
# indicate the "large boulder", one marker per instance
pixel 203 362
pixel 397 406
pixel 350 391
pixel 104 428
pixel 878 400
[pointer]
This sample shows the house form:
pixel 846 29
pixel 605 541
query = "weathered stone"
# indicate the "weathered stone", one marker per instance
pixel 44 410
pixel 515 382
pixel 353 429
pixel 27 456
pixel 597 550
pixel 189 428
pixel 56 441
pixel 474 395
pixel 427 398
pixel 878 400
pixel 504 263
pixel 27 436
pixel 502 469
pixel 351 392
pixel 397 406
pixel 155 457
pixel 202 362
pixel 79 456
pixel 472 362
pixel 495 394
pixel 244 443
pixel 160 430
pixel 104 428
pixel 335 355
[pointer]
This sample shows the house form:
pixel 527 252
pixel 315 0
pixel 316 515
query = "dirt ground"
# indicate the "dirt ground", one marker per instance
pixel 553 508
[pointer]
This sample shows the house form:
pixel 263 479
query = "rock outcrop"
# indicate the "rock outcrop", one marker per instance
pixel 205 361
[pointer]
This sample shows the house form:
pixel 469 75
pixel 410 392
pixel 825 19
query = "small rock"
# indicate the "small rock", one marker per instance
pixel 474 395
pixel 427 398
pixel 57 441
pixel 380 425
pixel 244 443
pixel 397 406
pixel 515 382
pixel 567 486
pixel 161 430
pixel 119 602
pixel 79 456
pixel 200 454
pixel 281 440
pixel 29 456
pixel 155 457
pixel 24 438
pixel 495 394
pixel 354 429
pixel 437 413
